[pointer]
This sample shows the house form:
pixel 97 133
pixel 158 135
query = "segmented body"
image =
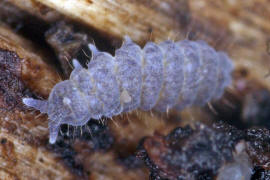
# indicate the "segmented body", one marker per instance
pixel 159 77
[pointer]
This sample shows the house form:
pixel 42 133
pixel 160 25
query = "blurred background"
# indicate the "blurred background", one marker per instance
pixel 226 140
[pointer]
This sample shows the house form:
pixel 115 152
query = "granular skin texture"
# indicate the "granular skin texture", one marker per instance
pixel 169 75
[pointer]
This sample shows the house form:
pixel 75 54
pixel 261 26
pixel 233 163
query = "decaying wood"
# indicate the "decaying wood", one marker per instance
pixel 241 29
pixel 141 20
pixel 249 29
pixel 22 144
pixel 35 8
pixel 36 74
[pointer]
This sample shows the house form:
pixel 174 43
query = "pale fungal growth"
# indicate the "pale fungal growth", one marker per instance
pixel 159 77
pixel 240 168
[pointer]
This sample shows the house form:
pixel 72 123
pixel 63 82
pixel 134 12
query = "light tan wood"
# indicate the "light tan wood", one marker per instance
pixel 241 28
pixel 138 20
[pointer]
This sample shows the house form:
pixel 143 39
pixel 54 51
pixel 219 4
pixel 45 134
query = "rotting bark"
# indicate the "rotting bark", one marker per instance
pixel 140 20
pixel 22 134
pixel 240 28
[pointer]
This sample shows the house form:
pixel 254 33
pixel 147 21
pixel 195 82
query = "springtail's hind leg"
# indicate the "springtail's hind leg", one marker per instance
pixel 42 106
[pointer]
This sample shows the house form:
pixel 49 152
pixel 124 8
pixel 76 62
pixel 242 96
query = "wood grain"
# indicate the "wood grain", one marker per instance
pixel 241 28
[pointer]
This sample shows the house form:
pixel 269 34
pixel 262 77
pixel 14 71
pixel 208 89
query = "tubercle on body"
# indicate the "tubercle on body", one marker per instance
pixel 159 76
